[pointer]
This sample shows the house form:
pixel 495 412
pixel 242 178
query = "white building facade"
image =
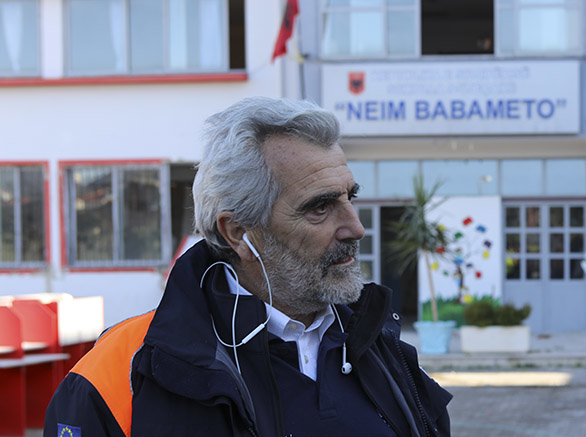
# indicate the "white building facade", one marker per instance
pixel 484 97
pixel 102 104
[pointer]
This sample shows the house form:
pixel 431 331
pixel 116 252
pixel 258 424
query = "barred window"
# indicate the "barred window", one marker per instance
pixel 117 216
pixel 22 217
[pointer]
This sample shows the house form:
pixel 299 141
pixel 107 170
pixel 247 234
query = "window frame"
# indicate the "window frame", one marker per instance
pixel 20 266
pixel 127 48
pixel 68 221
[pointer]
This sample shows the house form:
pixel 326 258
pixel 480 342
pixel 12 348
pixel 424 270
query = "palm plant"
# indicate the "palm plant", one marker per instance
pixel 416 235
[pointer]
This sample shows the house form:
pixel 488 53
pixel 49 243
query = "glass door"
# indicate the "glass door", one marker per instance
pixel 369 254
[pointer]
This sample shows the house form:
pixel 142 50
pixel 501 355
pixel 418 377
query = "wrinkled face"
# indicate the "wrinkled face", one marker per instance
pixel 310 247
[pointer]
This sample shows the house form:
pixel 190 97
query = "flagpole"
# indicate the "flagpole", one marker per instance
pixel 290 16
pixel 301 59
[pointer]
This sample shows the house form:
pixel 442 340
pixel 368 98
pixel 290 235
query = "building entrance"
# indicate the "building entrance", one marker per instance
pixel 376 262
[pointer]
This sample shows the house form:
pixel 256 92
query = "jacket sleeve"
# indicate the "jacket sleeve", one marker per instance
pixel 78 406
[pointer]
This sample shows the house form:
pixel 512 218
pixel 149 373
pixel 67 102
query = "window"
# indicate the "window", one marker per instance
pixel 544 241
pixel 455 27
pixel 364 174
pixel 457 177
pixel 395 178
pixel 19 38
pixel 22 217
pixel 522 177
pixel 154 36
pixel 369 28
pixel 117 215
pixel 530 27
pixel 506 177
pixel 565 177
pixel 407 28
pixel 410 28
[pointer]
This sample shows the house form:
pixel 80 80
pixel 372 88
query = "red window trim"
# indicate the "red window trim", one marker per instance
pixel 47 213
pixel 63 166
pixel 21 271
pixel 110 269
pixel 127 79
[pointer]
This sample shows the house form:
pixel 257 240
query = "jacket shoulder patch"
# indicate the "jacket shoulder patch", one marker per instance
pixel 68 430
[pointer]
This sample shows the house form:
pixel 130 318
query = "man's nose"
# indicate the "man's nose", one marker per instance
pixel 350 227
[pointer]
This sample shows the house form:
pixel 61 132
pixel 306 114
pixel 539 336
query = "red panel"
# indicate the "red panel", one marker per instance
pixel 12 380
pixel 39 323
pixel 12 402
pixel 41 382
pixel 10 332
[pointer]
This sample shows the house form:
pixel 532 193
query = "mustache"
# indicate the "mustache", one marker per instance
pixel 339 254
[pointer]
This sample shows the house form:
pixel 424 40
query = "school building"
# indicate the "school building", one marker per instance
pixel 103 102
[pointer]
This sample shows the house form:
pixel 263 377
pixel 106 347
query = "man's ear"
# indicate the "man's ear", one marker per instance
pixel 232 233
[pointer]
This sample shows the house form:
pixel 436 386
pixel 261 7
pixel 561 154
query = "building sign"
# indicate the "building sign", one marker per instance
pixel 454 98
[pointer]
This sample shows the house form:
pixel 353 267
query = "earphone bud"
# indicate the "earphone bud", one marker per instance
pixel 346 366
pixel 250 246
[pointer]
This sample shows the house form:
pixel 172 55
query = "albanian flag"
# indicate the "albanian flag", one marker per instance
pixel 291 11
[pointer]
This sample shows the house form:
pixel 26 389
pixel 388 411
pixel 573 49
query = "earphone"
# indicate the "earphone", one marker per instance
pixel 260 327
pixel 346 366
pixel 250 246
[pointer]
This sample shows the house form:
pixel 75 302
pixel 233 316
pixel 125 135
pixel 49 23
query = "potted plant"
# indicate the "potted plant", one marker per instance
pixel 495 328
pixel 417 236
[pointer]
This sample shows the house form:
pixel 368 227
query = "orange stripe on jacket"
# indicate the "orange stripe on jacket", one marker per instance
pixel 107 366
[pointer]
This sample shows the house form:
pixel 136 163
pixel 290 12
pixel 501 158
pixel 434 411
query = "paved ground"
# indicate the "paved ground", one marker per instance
pixel 541 393
pixel 536 411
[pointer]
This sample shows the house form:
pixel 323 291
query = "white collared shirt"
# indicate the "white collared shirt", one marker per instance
pixel 281 325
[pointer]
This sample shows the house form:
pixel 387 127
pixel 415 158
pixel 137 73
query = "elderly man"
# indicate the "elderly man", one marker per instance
pixel 265 328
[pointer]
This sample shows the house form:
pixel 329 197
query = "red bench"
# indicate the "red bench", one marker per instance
pixel 41 338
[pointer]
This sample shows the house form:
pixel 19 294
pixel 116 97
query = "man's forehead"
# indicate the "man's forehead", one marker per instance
pixel 307 172
pixel 285 154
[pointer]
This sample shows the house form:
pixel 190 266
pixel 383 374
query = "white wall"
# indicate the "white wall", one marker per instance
pixel 125 121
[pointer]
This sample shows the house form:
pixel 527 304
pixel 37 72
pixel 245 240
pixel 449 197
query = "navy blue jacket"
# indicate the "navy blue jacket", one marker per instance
pixel 165 373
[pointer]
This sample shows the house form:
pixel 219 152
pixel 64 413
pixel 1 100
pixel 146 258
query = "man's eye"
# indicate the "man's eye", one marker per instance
pixel 321 209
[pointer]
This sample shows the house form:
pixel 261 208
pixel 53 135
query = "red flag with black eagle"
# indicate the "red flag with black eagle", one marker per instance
pixel 291 11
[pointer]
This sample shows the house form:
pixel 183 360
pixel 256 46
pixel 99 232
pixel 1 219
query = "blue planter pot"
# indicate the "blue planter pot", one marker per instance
pixel 435 336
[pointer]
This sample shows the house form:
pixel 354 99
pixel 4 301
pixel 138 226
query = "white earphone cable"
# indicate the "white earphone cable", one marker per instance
pixel 255 331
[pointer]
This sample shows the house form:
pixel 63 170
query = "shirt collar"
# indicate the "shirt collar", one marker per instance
pixel 282 325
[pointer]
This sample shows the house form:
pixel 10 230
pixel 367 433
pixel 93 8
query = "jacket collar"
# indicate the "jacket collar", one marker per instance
pixel 182 326
pixel 187 358
pixel 369 315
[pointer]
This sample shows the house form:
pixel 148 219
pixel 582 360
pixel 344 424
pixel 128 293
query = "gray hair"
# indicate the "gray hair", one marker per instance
pixel 233 175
